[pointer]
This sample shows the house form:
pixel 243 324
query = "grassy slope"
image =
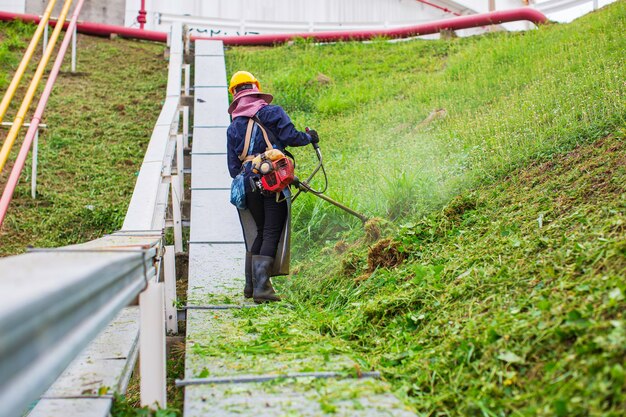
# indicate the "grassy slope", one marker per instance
pixel 100 122
pixel 492 314
pixel 509 98
pixel 507 299
pixel 12 44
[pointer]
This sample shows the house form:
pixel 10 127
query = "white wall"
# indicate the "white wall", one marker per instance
pixel 13 6
pixel 265 16
pixel 237 16
pixel 109 11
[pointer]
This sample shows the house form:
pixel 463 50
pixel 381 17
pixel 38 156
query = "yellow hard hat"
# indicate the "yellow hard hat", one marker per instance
pixel 242 77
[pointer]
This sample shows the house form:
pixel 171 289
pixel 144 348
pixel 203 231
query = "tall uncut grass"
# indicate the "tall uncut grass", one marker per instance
pixel 507 97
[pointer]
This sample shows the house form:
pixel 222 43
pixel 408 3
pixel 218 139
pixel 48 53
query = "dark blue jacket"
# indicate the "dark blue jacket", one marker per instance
pixel 278 124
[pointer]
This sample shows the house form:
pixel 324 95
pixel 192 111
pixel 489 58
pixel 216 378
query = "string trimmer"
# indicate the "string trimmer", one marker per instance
pixel 305 187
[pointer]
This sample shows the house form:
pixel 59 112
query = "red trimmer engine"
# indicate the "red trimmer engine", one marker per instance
pixel 280 175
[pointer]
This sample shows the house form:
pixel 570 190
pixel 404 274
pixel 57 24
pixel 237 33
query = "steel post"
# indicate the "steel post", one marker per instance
pixel 74 50
pixel 180 165
pixel 152 347
pixel 187 69
pixel 176 214
pixel 33 177
pixel 187 76
pixel 45 37
pixel 186 127
pixel 171 315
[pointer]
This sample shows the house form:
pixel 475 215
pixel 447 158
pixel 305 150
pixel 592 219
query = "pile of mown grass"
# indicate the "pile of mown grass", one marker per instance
pixel 99 124
pixel 406 126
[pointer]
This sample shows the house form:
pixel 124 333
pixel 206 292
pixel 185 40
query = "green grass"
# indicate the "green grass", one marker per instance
pixel 99 123
pixel 510 300
pixel 509 97
pixel 14 37
pixel 498 287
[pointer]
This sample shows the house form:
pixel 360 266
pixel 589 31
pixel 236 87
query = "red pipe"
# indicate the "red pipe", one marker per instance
pixel 9 189
pixel 445 9
pixel 456 23
pixel 97 29
pixel 141 18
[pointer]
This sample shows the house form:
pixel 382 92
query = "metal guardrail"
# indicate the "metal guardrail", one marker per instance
pixel 53 302
pixel 555 6
pixel 149 199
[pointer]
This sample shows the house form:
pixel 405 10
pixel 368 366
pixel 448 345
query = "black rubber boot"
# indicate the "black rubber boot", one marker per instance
pixel 247 290
pixel 263 290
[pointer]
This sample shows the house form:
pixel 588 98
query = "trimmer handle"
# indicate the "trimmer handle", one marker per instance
pixel 315 145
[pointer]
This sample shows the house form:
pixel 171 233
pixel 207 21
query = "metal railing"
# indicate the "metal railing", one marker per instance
pixel 32 88
pixel 53 302
pixel 42 28
pixel 32 135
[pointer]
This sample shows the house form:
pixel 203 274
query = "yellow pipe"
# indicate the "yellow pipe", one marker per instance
pixel 32 88
pixel 17 77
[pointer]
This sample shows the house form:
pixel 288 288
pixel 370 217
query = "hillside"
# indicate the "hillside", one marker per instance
pixel 99 124
pixel 406 126
pixel 493 282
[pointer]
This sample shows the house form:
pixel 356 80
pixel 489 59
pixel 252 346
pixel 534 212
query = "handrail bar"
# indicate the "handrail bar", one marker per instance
pixel 32 88
pixel 33 126
pixel 21 68
pixel 145 200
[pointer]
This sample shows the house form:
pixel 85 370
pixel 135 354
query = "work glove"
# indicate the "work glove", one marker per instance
pixel 314 136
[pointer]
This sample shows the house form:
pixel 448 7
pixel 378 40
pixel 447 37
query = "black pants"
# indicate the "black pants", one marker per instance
pixel 269 217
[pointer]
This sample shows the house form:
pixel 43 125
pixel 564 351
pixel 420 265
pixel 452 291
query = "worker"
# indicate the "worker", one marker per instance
pixel 265 216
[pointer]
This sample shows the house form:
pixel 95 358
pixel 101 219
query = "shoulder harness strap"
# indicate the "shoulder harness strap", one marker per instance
pixel 267 140
pixel 269 143
pixel 244 157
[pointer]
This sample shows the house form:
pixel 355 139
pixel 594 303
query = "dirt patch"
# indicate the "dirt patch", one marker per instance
pixel 384 254
pixel 434 115
pixel 545 167
pixel 323 79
